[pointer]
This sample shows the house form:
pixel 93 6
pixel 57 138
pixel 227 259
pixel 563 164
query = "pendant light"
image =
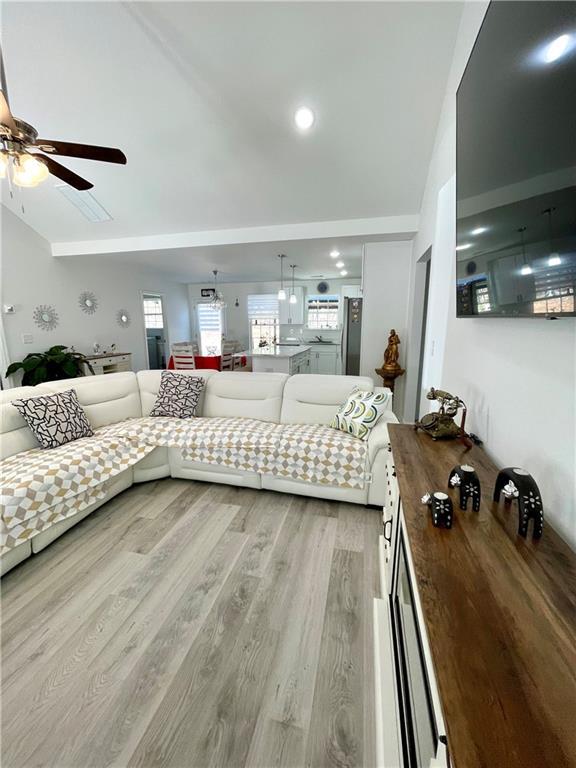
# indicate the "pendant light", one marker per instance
pixel 293 299
pixel 554 259
pixel 526 269
pixel 281 292
pixel 217 302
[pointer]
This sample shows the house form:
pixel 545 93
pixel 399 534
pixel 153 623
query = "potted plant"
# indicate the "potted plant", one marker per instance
pixel 56 363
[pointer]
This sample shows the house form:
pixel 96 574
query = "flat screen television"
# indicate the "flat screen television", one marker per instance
pixel 516 165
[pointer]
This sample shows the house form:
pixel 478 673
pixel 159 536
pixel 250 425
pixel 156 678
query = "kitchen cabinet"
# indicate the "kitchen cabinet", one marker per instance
pixel 292 314
pixel 281 359
pixel 300 363
pixel 326 360
pixel 351 292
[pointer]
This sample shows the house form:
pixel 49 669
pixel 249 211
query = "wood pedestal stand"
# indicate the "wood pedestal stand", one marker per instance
pixel 389 374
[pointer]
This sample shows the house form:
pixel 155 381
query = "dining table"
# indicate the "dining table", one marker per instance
pixel 202 362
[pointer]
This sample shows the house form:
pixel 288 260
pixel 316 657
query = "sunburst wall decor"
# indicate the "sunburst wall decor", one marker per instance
pixel 45 317
pixel 88 302
pixel 123 318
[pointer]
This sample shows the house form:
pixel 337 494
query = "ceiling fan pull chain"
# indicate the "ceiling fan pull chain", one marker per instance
pixel 9 180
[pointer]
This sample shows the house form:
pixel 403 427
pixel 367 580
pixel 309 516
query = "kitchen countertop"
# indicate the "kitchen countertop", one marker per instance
pixel 277 351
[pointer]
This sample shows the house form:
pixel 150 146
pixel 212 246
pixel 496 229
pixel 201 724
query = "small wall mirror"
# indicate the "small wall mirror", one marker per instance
pixel 45 317
pixel 88 302
pixel 123 318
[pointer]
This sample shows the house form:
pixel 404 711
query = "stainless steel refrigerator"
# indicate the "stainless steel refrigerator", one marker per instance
pixel 351 336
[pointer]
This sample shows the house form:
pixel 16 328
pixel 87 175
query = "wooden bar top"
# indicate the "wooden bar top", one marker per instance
pixel 500 612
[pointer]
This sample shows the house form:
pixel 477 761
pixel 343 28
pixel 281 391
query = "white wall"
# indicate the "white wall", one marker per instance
pixel 386 281
pixel 439 306
pixel 31 276
pixel 518 376
pixel 237 317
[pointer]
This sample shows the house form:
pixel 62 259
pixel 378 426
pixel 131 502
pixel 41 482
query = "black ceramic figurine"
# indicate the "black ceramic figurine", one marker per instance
pixel 465 478
pixel 516 483
pixel 441 506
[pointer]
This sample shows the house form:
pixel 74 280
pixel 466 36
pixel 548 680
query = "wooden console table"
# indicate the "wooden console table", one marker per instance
pixel 499 613
pixel 112 362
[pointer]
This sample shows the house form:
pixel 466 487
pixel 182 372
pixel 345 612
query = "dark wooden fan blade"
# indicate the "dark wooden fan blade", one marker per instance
pixel 85 151
pixel 5 114
pixel 65 174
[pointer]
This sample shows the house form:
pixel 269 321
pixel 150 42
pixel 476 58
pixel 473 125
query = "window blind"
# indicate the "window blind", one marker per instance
pixel 263 305
pixel 323 302
pixel 209 319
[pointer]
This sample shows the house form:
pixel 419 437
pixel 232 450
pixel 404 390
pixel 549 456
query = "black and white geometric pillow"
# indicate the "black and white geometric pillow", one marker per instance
pixel 178 395
pixel 55 419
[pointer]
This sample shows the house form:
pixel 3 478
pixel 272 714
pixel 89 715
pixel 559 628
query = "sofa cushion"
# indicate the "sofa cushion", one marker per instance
pixel 55 419
pixel 178 395
pixel 16 435
pixel 315 399
pixel 360 413
pixel 106 398
pixel 252 395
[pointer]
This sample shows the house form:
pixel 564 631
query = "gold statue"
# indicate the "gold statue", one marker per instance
pixel 391 353
pixel 391 368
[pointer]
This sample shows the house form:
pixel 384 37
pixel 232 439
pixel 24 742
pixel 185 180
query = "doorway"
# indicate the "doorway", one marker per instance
pixel 155 330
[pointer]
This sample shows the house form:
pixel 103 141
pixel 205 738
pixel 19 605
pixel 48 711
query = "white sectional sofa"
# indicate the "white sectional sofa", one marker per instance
pixel 268 397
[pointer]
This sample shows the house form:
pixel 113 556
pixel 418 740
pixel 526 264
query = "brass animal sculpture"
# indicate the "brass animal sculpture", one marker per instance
pixel 440 424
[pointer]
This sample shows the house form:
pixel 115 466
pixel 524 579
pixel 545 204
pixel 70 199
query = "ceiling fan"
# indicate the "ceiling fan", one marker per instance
pixel 21 148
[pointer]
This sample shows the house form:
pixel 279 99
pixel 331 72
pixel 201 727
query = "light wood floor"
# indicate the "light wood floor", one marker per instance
pixel 190 625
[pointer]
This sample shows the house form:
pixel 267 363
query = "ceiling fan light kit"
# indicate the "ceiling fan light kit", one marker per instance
pixel 27 171
pixel 21 158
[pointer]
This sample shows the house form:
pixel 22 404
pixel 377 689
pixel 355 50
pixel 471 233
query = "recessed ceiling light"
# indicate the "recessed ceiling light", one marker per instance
pixel 343 273
pixel 526 270
pixel 304 118
pixel 339 264
pixel 479 231
pixel 554 260
pixel 334 254
pixel 557 48
pixel 464 247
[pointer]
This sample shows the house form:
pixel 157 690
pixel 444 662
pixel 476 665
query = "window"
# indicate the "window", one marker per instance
pixel 482 297
pixel 210 328
pixel 555 290
pixel 323 312
pixel 153 317
pixel 263 318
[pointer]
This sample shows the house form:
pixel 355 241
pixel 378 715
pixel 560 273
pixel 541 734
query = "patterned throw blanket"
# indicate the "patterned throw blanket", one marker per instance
pixel 309 453
pixel 42 487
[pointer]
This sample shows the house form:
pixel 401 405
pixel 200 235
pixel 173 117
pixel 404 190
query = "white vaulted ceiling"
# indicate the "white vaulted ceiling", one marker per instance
pixel 201 96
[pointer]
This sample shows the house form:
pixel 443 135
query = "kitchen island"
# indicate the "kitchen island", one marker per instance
pixel 280 359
